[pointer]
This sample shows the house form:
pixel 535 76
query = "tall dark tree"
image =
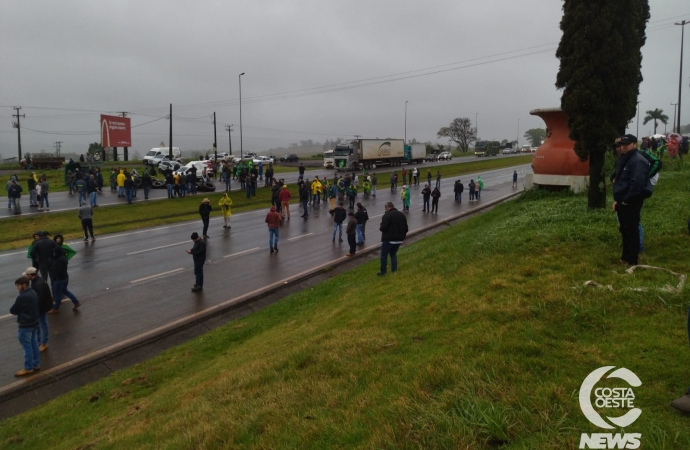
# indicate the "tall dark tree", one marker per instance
pixel 459 131
pixel 600 54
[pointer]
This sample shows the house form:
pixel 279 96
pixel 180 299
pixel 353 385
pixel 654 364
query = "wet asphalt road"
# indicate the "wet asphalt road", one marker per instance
pixel 135 281
pixel 62 201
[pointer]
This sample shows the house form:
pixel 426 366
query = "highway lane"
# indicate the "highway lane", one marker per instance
pixel 62 201
pixel 135 281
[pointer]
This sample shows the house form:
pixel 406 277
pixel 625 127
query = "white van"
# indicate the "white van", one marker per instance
pixel 328 159
pixel 156 154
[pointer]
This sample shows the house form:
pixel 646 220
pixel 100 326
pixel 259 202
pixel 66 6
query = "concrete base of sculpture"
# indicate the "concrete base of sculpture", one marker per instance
pixel 576 183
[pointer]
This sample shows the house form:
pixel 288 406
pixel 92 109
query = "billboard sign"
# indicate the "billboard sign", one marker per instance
pixel 115 131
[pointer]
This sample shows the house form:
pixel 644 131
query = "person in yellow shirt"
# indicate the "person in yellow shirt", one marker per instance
pixel 121 183
pixel 316 188
pixel 225 204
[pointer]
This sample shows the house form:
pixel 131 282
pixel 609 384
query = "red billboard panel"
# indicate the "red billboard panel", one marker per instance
pixel 115 131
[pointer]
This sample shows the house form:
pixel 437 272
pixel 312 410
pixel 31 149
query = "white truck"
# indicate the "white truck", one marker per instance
pixel 368 153
pixel 156 154
pixel 328 161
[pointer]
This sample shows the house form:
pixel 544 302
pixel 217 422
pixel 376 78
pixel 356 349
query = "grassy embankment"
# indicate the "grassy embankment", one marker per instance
pixel 15 232
pixel 482 339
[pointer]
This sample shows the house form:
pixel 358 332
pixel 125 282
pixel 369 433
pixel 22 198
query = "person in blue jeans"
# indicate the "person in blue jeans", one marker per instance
pixel 198 252
pixel 60 281
pixel 274 221
pixel 393 231
pixel 339 216
pixel 45 304
pixel 26 309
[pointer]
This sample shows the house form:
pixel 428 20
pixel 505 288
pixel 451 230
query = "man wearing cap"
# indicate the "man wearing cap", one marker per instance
pixel 26 309
pixel 198 252
pixel 630 188
pixel 284 197
pixel 274 221
pixel 205 212
pixel 45 304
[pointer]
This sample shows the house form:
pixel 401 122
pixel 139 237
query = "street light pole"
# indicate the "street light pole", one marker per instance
pixel 215 140
pixel 680 77
pixel 229 128
pixel 638 119
pixel 240 78
pixel 518 134
pixel 673 128
pixel 405 122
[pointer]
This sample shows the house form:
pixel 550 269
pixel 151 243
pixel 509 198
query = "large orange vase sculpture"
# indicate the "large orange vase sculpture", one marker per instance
pixel 556 156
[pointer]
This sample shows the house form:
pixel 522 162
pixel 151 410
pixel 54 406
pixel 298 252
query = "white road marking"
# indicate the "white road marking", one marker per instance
pixel 242 252
pixel 6 317
pixel 157 275
pixel 156 248
pixel 12 254
pixel 299 237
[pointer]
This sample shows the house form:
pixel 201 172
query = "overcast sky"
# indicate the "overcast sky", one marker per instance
pixel 493 58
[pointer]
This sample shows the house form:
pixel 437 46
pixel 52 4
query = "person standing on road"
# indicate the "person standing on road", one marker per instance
pixel 374 182
pixel 120 179
pixel 472 187
pixel 316 188
pixel 404 175
pixel 631 186
pixel 198 252
pixel 409 177
pixel 428 177
pixel 60 242
pixel 274 221
pixel 438 179
pixel 457 189
pixel 332 194
pixel 339 215
pixel 351 232
pixel 45 304
pixel 301 170
pixel 480 186
pixel 80 187
pixel 92 187
pixel 15 192
pixel 393 232
pixel 205 212
pixel 426 195
pixel 146 183
pixel 435 195
pixel 42 252
pixel 27 311
pixel 269 175
pixel 32 190
pixel 304 198
pixel 515 177
pixel 225 204
pixel 113 180
pixel 85 214
pixel 415 175
pixel 129 187
pixel 60 279
pixel 284 197
pixel 45 188
pixel 392 177
pixel 169 183
pixel 362 216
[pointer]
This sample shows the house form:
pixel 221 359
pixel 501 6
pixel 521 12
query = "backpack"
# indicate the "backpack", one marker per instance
pixel 654 163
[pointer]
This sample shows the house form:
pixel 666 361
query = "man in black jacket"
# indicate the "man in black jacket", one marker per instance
pixel 362 216
pixel 26 309
pixel 42 251
pixel 339 216
pixel 458 188
pixel 630 187
pixel 60 279
pixel 198 253
pixel 393 231
pixel 304 197
pixel 45 304
pixel 205 212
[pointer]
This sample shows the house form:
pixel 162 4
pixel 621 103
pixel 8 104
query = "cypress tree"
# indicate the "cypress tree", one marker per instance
pixel 600 60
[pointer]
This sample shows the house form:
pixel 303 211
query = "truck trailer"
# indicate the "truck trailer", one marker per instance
pixel 368 153
pixel 415 153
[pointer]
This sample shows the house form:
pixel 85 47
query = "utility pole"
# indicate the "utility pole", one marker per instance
pixel 680 77
pixel 405 122
pixel 229 130
pixel 215 141
pixel 57 147
pixel 17 125
pixel 239 77
pixel 673 128
pixel 518 134
pixel 126 149
pixel 638 119
pixel 170 144
pixel 357 136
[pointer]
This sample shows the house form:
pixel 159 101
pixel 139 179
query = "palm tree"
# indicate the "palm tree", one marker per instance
pixel 656 115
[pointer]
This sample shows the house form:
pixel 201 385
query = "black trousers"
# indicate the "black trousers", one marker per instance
pixel 628 222
pixel 352 240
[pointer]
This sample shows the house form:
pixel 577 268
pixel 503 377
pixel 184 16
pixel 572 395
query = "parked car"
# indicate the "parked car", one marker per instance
pixel 167 164
pixel 525 149
pixel 446 156
pixel 251 155
pixel 509 151
pixel 431 158
pixel 265 160
pixel 289 158
pixel 533 149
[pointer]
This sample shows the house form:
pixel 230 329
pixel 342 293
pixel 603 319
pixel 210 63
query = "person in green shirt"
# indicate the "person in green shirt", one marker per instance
pixel 69 251
pixel 480 186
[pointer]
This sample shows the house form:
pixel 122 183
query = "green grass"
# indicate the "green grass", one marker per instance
pixel 15 232
pixel 481 340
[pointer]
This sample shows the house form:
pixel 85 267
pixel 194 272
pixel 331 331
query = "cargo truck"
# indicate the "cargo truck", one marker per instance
pixel 328 161
pixel 368 153
pixel 415 153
